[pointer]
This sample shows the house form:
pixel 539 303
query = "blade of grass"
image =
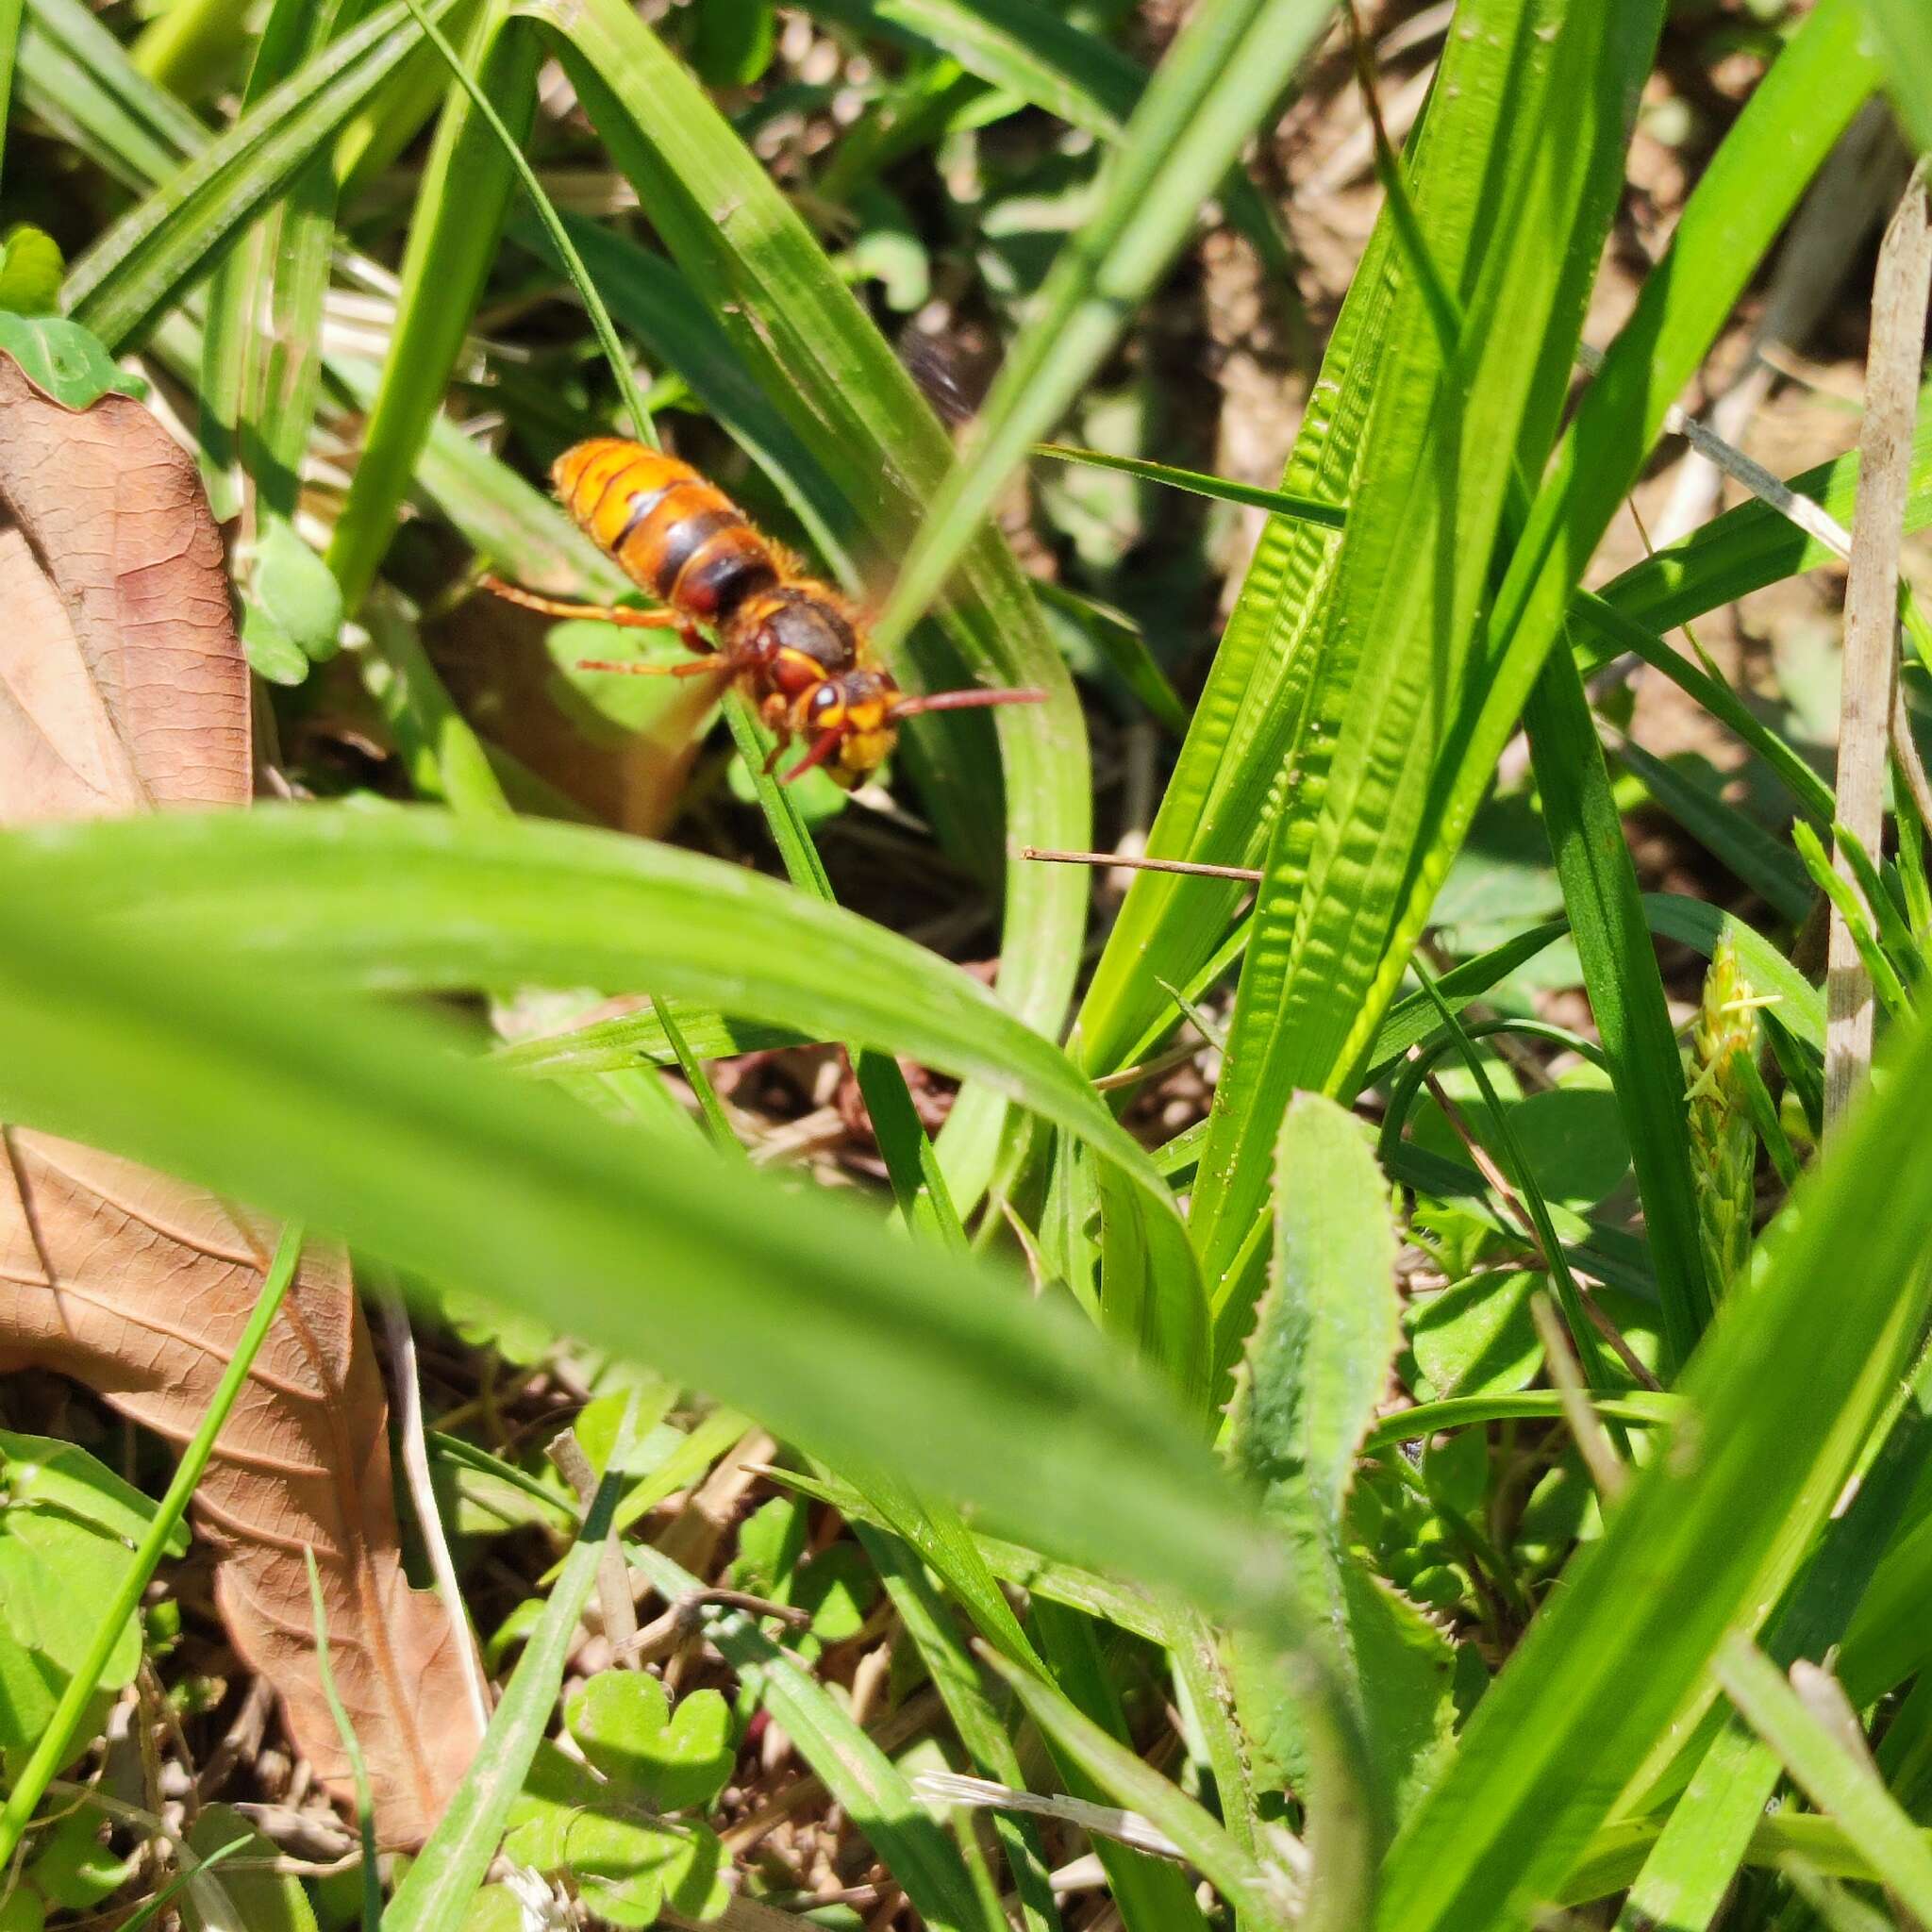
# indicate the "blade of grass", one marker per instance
pixel 55 1743
pixel 1221 78
pixel 493 901
pixel 159 249
pixel 1905 35
pixel 1280 503
pixel 352 1750
pixel 1830 1774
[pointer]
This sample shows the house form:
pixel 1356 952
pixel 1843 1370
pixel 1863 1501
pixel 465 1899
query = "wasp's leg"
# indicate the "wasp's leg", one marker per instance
pixel 707 665
pixel 599 613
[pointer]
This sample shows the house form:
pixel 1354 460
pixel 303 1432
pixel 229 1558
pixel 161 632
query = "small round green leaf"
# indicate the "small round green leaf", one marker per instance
pixel 272 652
pixel 298 591
pixel 31 271
pixel 674 1760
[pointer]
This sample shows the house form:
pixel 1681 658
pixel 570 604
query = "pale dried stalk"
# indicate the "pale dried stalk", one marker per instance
pixel 614 1600
pixel 1899 303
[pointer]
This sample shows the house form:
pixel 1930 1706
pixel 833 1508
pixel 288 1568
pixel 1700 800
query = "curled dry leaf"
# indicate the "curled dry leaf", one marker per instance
pixel 122 688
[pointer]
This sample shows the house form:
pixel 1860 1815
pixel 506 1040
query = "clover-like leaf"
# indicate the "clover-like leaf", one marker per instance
pixel 298 591
pixel 626 1863
pixel 672 1761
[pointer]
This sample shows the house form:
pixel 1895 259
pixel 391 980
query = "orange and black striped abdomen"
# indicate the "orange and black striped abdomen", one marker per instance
pixel 676 535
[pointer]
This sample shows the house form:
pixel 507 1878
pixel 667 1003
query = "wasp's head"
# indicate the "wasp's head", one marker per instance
pixel 854 709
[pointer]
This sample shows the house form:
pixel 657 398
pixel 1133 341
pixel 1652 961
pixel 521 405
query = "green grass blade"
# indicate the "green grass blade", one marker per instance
pixel 1785 1388
pixel 352 1751
pixel 1280 503
pixel 1218 80
pixel 1830 1774
pixel 78 78
pixel 56 1741
pixel 162 247
pixel 453 241
pixel 1905 36
pixel 494 902
pixel 436 1892
pixel 1627 992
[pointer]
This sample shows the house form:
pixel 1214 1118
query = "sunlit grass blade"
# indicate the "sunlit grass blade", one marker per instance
pixel 1221 76
pixel 1280 503
pixel 1904 34
pixel 453 241
pixel 78 78
pixel 162 246
pixel 1625 989
pixel 1830 1774
pixel 493 902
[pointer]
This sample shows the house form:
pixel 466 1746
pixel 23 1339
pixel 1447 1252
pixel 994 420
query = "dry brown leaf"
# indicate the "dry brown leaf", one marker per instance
pixel 122 687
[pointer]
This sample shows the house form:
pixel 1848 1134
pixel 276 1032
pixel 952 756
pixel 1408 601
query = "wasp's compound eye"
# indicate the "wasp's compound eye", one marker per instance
pixel 824 701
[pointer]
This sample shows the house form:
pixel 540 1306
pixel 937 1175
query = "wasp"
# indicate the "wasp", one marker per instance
pixel 798 647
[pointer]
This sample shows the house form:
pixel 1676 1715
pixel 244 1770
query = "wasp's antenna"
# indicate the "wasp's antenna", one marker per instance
pixel 822 747
pixel 963 701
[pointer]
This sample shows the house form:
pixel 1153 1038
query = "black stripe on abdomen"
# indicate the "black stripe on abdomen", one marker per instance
pixel 715 586
pixel 683 541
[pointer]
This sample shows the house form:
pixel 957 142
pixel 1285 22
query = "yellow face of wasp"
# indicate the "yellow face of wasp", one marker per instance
pixel 858 707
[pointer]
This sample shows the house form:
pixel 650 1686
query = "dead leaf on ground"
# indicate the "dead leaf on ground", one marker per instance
pixel 122 688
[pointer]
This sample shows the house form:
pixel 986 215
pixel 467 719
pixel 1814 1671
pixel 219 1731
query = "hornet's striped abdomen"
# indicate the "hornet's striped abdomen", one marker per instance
pixel 676 536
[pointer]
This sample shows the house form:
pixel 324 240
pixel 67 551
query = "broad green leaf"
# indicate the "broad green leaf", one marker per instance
pixel 264 1901
pixel 1781 1395
pixel 677 1760
pixel 63 360
pixel 296 588
pixel 626 1863
pixel 1313 1374
pixel 39 1473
